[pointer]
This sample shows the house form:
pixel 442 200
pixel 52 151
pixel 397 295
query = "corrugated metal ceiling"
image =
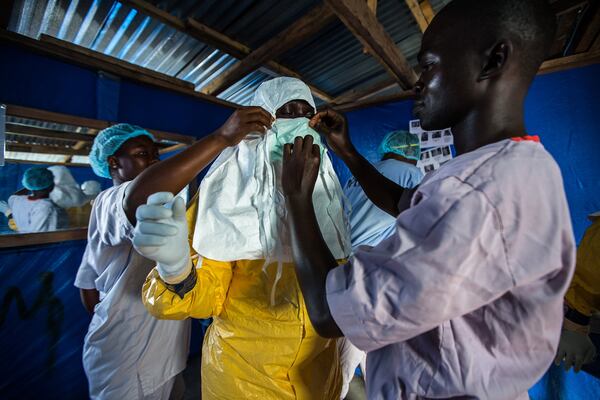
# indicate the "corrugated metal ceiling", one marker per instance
pixel 332 60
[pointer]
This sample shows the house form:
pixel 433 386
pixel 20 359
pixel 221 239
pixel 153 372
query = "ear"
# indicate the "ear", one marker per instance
pixel 113 163
pixel 496 59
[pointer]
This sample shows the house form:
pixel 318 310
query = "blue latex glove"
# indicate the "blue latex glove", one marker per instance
pixel 161 234
pixel 4 208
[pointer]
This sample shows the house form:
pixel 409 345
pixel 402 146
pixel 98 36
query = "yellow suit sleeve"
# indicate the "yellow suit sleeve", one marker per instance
pixel 205 300
pixel 584 293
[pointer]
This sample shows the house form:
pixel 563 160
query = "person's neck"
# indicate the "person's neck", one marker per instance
pixel 501 118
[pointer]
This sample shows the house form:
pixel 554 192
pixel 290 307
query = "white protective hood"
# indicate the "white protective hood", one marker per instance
pixel 241 210
pixel 66 192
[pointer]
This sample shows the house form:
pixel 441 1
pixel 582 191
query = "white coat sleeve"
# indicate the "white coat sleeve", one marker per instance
pixel 108 219
pixel 446 259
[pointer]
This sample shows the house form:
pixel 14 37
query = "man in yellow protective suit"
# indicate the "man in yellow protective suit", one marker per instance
pixel 261 344
pixel 577 347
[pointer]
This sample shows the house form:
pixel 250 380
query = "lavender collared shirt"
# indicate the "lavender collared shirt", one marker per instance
pixel 465 299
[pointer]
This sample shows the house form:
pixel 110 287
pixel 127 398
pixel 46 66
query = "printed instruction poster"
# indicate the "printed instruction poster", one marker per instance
pixel 435 146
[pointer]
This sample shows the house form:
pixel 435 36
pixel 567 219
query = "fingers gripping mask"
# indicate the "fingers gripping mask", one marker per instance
pixel 285 131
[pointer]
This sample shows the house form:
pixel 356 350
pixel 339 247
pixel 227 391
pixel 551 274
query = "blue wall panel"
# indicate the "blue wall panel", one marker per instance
pixel 42 323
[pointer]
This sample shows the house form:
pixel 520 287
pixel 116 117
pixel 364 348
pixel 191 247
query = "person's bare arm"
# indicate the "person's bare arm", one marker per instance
pixel 312 258
pixel 174 173
pixel 89 298
pixel 383 192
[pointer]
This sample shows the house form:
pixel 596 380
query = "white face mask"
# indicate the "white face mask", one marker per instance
pixel 286 130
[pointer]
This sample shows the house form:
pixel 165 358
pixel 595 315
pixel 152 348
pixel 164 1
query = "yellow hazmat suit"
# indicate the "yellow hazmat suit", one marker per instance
pixel 584 293
pixel 253 349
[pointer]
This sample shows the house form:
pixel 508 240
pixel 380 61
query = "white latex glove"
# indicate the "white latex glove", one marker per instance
pixel 161 234
pixel 4 208
pixel 575 349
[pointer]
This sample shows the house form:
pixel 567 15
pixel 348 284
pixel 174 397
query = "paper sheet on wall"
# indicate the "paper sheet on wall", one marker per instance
pixel 435 146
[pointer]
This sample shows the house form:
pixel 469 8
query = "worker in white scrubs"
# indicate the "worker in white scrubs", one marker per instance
pixel 369 225
pixel 127 354
pixel 31 208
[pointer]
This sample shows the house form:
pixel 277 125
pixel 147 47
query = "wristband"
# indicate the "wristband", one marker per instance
pixel 574 327
pixel 184 286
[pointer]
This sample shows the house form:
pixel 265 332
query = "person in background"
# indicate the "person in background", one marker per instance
pixel 31 208
pixel 128 354
pixel 399 152
pixel 465 299
pixel 578 346
pixel 66 192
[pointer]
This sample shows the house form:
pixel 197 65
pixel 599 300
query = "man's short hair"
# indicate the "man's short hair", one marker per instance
pixel 530 24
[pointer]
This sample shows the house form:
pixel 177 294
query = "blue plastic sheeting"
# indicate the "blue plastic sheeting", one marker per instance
pixel 563 108
pixel 560 385
pixel 33 80
pixel 42 323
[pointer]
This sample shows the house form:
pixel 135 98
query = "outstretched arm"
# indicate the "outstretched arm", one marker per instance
pixel 312 257
pixel 174 173
pixel 383 192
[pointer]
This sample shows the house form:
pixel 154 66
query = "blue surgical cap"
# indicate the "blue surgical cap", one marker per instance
pixel 402 143
pixel 107 143
pixel 37 178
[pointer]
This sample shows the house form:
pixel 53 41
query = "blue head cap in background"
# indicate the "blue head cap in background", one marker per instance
pixel 402 143
pixel 107 143
pixel 37 178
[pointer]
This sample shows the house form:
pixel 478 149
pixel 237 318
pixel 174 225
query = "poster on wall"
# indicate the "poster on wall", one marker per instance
pixel 436 138
pixel 436 146
pixel 2 133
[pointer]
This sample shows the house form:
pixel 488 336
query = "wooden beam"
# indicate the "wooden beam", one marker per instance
pixel 366 28
pixel 591 30
pixel 357 94
pixel 95 55
pixel 97 61
pixel 418 14
pixel 406 95
pixel 34 131
pixel 65 163
pixel 575 61
pixel 31 239
pixel 427 10
pixel 32 148
pixel 372 4
pixel 175 147
pixel 238 50
pixel 300 30
pixel 215 39
pixel 43 115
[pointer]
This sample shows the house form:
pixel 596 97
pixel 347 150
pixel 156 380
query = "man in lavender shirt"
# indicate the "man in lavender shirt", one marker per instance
pixel 465 299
